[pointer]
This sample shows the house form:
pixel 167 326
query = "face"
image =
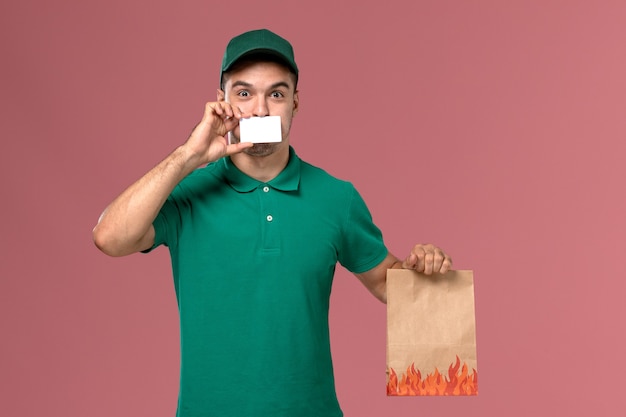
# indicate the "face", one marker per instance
pixel 262 89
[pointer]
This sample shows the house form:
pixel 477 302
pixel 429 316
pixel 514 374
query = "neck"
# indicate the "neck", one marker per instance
pixel 262 168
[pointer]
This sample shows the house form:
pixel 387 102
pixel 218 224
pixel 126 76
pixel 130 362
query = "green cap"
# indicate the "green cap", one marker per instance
pixel 261 40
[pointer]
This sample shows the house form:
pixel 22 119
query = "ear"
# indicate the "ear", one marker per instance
pixel 220 94
pixel 296 102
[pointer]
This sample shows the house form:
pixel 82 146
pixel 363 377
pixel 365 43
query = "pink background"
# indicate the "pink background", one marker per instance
pixel 495 129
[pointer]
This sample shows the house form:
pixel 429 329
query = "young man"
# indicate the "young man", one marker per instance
pixel 254 239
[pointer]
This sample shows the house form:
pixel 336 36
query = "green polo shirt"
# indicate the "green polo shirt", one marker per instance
pixel 253 265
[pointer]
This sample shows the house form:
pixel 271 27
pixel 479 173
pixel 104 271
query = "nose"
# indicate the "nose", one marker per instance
pixel 260 107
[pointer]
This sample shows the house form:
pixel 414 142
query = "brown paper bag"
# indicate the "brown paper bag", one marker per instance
pixel 431 334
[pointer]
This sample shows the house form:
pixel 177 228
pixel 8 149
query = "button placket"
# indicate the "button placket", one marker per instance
pixel 270 234
pixel 269 217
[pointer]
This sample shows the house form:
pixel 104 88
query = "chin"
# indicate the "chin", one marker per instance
pixel 262 149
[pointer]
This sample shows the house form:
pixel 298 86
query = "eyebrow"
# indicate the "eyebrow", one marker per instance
pixel 279 84
pixel 273 86
pixel 242 84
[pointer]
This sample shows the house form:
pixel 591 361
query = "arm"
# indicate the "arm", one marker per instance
pixel 423 258
pixel 125 226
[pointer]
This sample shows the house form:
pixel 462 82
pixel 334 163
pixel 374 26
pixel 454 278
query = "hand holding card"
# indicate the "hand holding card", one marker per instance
pixel 260 129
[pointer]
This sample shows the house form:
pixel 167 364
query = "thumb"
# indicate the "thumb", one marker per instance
pixel 238 147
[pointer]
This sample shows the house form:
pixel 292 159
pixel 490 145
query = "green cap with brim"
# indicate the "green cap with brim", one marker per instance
pixel 258 41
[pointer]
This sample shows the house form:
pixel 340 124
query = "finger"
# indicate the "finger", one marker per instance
pixel 234 111
pixel 446 265
pixel 421 259
pixel 429 260
pixel 409 262
pixel 438 258
pixel 238 112
pixel 213 108
pixel 238 147
pixel 226 110
pixel 231 123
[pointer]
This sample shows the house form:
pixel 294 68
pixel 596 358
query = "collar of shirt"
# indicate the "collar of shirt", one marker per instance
pixel 287 180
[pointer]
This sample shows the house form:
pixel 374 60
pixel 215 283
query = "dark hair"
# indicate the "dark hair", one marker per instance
pixel 258 57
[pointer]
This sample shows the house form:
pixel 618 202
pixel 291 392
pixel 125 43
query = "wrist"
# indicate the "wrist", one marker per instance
pixel 186 158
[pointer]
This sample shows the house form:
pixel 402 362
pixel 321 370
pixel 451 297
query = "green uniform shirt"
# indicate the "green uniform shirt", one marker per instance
pixel 253 265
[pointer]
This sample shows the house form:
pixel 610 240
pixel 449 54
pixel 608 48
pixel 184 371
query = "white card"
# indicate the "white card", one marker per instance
pixel 260 129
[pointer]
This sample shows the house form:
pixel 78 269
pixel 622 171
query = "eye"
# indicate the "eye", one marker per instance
pixel 277 94
pixel 243 93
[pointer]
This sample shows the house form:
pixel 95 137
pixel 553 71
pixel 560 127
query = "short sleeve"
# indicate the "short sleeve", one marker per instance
pixel 167 224
pixel 362 246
